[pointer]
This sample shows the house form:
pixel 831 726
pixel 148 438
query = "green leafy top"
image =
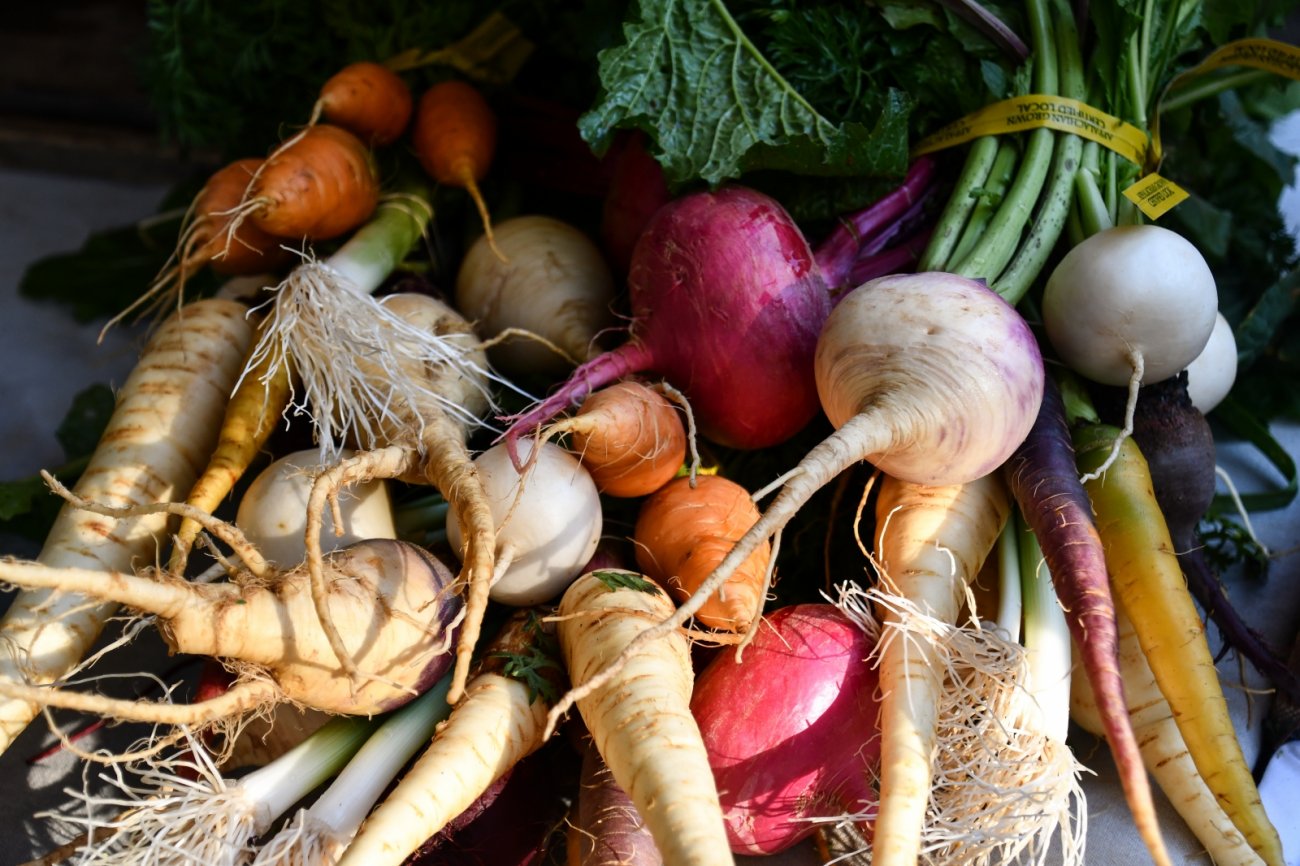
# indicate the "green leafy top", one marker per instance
pixel 615 580
pixel 716 106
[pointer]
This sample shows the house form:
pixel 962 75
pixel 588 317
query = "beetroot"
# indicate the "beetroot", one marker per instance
pixel 792 730
pixel 610 831
pixel 727 303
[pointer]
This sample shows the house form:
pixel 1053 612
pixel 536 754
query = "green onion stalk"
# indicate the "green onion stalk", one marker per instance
pixel 318 835
pixel 182 809
pixel 1012 199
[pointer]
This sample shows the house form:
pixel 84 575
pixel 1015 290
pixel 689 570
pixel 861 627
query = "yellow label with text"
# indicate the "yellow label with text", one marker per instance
pixel 1037 111
pixel 1267 54
pixel 1155 196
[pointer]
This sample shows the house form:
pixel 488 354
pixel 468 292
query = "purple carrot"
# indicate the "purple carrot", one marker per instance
pixel 1045 483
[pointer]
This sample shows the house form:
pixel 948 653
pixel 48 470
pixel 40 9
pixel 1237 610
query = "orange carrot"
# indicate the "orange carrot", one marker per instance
pixel 251 250
pixel 207 238
pixel 455 137
pixel 319 185
pixel 369 100
pixel 629 437
pixel 683 532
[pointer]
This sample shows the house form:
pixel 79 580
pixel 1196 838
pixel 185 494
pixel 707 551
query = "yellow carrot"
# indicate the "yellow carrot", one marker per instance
pixel 1163 751
pixel 640 719
pixel 260 397
pixel 1147 580
pixel 162 428
pixel 931 542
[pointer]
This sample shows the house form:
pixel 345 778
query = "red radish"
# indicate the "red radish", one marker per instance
pixel 455 138
pixel 791 730
pixel 369 100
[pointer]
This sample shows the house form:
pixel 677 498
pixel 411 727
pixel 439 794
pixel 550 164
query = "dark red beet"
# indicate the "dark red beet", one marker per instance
pixel 609 828
pixel 792 730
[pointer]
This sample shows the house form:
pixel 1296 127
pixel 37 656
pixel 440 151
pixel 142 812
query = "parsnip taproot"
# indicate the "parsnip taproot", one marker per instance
pixel 498 722
pixel 1147 581
pixel 396 602
pixel 930 544
pixel 640 720
pixel 162 429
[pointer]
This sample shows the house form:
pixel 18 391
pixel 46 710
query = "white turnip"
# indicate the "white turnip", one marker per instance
pixel 1211 374
pixel 1130 305
pixel 273 511
pixel 548 522
pixel 553 284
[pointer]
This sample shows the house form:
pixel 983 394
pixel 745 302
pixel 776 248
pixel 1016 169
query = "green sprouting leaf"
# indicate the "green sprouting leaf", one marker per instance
pixel 715 107
pixel 616 580
pixel 530 668
pixel 1261 324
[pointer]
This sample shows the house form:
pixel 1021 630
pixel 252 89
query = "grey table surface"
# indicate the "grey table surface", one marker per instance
pixel 45 359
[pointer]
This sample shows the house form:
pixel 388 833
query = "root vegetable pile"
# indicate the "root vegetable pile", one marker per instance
pixel 397 482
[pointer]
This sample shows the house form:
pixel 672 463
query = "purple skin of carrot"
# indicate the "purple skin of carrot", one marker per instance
pixel 1045 483
pixel 836 254
pixel 1178 444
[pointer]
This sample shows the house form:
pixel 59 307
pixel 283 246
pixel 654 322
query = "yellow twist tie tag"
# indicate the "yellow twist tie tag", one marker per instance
pixel 1267 54
pixel 1037 111
pixel 1155 196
